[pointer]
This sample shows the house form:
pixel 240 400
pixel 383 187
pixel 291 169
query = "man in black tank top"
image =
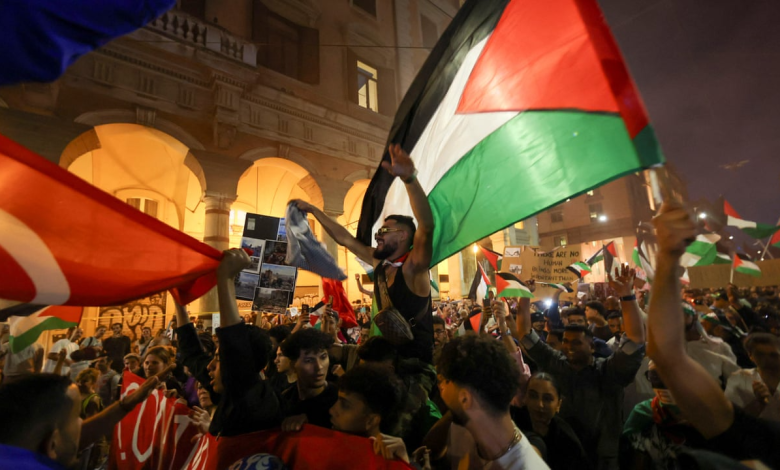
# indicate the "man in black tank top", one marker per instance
pixel 406 269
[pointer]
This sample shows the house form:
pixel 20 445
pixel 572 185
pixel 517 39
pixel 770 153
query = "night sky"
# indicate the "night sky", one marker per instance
pixel 709 74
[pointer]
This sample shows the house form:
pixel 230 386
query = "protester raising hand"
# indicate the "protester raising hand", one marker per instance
pixel 201 419
pixel 400 164
pixel 623 282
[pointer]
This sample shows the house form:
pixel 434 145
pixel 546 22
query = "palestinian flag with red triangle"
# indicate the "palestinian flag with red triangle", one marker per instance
pixel 493 258
pixel 508 285
pixel 26 328
pixel 743 264
pixel 517 94
pixel 775 241
pixel 753 229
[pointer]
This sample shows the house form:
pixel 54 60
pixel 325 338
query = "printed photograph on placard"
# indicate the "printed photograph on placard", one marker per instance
pixel 271 300
pixel 277 277
pixel 516 269
pixel 281 235
pixel 255 245
pixel 246 283
pixel 261 227
pixel 275 253
pixel 254 266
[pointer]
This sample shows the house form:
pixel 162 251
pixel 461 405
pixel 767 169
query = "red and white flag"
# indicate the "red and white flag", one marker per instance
pixel 66 242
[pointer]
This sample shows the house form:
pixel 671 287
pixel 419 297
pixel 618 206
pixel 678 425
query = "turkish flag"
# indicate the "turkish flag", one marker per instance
pixel 66 242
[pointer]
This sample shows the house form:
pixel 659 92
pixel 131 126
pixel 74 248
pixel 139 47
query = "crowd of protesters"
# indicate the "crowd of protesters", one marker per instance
pixel 662 378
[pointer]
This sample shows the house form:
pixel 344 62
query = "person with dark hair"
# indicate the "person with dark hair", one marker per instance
pixel 555 339
pixel 402 255
pixel 596 315
pixel 378 350
pixel 132 362
pixel 615 322
pixel 117 346
pixel 593 387
pixel 370 402
pixel 309 401
pixel 757 390
pixel 278 334
pixel 42 428
pixel 285 376
pixel 574 316
pixel 477 381
pixel 538 322
pixel 540 415
pixel 108 383
pixel 440 337
pixel 245 403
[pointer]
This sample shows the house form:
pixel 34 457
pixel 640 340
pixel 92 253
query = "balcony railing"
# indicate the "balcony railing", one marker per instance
pixel 186 28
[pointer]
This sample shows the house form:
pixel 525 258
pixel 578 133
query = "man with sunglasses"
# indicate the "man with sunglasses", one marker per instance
pixel 406 269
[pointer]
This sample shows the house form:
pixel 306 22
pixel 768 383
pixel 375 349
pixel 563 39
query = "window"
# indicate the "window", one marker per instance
pixel 595 211
pixel 444 278
pixel 369 6
pixel 147 206
pixel 368 89
pixel 556 217
pixel 430 33
pixel 593 192
pixel 286 47
pixel 559 241
pixel 520 225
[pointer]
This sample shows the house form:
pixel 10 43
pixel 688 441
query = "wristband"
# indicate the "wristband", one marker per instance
pixel 411 179
pixel 628 298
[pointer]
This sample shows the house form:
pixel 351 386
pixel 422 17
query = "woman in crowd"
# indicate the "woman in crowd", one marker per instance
pixel 540 415
pixel 158 358
pixel 90 400
pixel 142 345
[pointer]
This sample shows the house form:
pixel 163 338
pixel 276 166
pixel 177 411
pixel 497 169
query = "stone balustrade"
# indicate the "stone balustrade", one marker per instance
pixel 189 29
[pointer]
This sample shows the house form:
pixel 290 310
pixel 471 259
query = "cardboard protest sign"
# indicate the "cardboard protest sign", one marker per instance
pixel 719 275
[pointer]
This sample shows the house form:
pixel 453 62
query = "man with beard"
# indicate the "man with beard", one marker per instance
pixel 406 269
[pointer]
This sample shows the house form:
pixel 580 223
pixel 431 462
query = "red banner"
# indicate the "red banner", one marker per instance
pixel 158 434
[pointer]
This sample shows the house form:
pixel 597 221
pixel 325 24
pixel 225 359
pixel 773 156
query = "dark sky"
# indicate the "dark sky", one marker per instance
pixel 709 74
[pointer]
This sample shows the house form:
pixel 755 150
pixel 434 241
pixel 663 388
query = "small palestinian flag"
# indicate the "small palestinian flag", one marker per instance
pixel 701 252
pixel 512 86
pixel 606 253
pixel 721 258
pixel 743 265
pixel 480 284
pixel 753 229
pixel 493 258
pixel 775 241
pixel 508 285
pixel 580 268
pixel 556 286
pixel 642 261
pixel 25 330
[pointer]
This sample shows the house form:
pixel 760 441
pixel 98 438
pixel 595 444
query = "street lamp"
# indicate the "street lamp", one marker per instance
pixel 602 218
pixel 475 249
pixel 703 215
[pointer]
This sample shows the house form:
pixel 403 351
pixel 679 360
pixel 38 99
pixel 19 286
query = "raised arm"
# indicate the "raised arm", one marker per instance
pixel 623 284
pixel 523 320
pixel 402 166
pixel 233 261
pixel 337 232
pixel 361 288
pixel 697 394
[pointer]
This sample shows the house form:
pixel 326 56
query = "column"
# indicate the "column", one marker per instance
pixel 216 233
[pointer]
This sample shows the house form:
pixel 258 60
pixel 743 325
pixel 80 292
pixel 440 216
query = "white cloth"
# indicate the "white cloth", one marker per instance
pixel 462 452
pixel 21 363
pixel 739 391
pixel 304 250
pixel 710 355
pixel 65 344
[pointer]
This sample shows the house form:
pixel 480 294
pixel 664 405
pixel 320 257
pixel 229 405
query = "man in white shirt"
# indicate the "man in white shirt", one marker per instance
pixel 69 344
pixel 477 381
pixel 757 390
pixel 712 353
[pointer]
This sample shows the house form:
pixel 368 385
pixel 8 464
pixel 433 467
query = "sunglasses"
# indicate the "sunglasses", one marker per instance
pixel 385 230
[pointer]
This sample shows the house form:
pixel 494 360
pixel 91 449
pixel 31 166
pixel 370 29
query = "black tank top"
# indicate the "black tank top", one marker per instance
pixel 410 305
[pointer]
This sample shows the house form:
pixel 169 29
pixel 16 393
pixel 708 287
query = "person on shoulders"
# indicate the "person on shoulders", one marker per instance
pixel 403 255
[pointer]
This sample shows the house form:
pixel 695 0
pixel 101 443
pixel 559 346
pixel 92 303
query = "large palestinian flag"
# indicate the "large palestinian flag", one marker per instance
pixel 525 98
